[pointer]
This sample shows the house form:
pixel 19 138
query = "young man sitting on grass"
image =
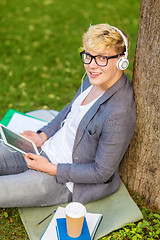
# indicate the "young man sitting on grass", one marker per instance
pixel 83 145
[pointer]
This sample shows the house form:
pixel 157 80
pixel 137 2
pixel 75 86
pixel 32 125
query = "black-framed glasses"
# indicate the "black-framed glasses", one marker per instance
pixel 100 60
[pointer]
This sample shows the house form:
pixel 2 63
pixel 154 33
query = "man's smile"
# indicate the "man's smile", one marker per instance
pixel 94 74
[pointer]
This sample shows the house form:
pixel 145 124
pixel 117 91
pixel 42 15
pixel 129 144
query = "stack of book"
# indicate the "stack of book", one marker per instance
pixel 57 227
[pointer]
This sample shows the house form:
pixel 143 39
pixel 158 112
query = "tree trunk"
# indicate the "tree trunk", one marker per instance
pixel 140 168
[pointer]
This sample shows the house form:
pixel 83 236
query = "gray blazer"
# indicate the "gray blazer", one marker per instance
pixel 102 138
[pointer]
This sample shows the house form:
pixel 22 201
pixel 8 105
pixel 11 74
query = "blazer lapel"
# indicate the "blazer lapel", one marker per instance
pixel 92 111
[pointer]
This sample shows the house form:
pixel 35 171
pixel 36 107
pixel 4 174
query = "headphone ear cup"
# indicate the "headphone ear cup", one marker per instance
pixel 122 63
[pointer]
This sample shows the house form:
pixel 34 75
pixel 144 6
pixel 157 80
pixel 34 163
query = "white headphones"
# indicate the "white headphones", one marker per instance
pixel 123 62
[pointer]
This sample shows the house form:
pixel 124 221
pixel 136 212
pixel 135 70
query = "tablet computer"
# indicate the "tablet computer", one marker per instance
pixel 17 141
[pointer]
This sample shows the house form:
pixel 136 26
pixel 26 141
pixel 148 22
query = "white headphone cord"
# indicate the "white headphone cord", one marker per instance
pixel 82 81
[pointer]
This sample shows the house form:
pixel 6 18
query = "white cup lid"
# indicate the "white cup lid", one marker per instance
pixel 75 210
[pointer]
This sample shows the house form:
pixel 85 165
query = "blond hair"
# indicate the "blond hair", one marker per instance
pixel 100 37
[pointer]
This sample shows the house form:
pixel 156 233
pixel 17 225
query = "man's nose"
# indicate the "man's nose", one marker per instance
pixel 93 63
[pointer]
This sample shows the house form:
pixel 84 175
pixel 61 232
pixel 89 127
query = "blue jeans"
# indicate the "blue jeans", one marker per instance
pixel 11 161
pixel 23 187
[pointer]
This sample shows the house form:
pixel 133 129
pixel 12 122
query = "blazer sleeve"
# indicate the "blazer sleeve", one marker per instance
pixel 115 137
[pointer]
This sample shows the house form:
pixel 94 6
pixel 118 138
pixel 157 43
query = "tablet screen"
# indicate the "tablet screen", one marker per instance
pixel 18 142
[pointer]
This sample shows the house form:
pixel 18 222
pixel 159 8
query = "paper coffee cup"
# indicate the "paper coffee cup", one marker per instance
pixel 75 213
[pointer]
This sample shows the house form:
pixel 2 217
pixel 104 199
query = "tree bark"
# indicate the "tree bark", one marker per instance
pixel 140 168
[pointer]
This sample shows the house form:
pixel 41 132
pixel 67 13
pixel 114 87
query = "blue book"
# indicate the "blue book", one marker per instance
pixel 62 231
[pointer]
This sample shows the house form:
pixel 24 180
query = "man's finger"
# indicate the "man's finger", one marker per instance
pixel 32 155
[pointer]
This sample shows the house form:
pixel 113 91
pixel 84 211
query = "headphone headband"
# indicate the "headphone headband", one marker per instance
pixel 124 38
pixel 123 62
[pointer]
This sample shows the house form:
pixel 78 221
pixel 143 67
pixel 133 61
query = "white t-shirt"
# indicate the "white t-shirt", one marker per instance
pixel 59 147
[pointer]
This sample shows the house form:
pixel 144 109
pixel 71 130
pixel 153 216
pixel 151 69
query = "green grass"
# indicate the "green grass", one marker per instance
pixel 40 41
pixel 146 229
pixel 40 66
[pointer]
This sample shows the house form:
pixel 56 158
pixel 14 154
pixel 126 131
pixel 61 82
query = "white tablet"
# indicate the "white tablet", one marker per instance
pixel 17 141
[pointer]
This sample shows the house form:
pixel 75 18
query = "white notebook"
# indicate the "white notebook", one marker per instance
pixel 93 221
pixel 20 123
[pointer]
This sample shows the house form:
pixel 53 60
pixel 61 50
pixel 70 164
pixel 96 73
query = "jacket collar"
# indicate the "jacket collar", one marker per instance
pixel 92 111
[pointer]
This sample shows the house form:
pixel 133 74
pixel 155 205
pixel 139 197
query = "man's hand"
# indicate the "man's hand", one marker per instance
pixel 38 139
pixel 40 163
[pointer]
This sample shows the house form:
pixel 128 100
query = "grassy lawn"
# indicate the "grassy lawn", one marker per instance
pixel 40 41
pixel 40 66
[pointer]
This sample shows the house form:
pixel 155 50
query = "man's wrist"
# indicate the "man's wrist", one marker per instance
pixel 43 136
pixel 52 170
